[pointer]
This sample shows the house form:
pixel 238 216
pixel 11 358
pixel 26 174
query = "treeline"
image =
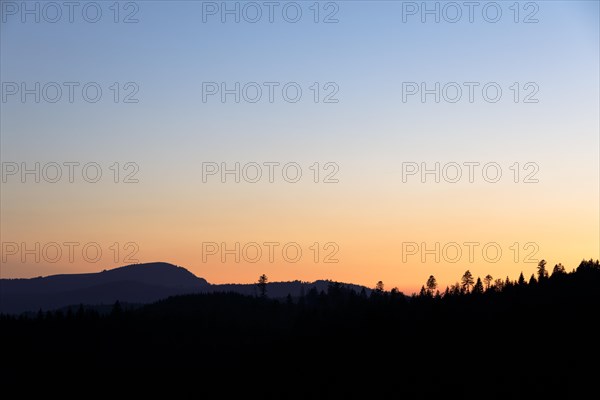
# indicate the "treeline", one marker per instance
pixel 468 285
pixel 561 284
pixel 491 338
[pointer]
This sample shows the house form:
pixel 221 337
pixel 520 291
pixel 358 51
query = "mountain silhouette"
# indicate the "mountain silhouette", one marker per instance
pixel 137 283
pixel 513 339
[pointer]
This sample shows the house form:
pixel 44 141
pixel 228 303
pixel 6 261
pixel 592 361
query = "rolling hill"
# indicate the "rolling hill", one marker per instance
pixel 137 283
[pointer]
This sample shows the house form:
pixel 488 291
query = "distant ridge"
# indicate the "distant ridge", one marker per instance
pixel 282 289
pixel 136 283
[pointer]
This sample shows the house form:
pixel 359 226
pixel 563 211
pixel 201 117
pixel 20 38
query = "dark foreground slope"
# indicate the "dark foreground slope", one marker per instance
pixel 524 341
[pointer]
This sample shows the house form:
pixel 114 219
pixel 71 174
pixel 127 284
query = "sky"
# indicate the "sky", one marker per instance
pixel 371 141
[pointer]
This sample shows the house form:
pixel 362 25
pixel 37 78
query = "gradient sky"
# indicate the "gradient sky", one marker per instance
pixel 369 134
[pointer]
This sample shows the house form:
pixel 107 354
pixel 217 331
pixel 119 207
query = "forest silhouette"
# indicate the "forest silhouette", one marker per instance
pixel 492 337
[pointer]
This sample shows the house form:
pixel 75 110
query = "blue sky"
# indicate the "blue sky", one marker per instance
pixel 170 52
pixel 368 54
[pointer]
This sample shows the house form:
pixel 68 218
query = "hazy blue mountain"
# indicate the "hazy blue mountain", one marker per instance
pixel 137 283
